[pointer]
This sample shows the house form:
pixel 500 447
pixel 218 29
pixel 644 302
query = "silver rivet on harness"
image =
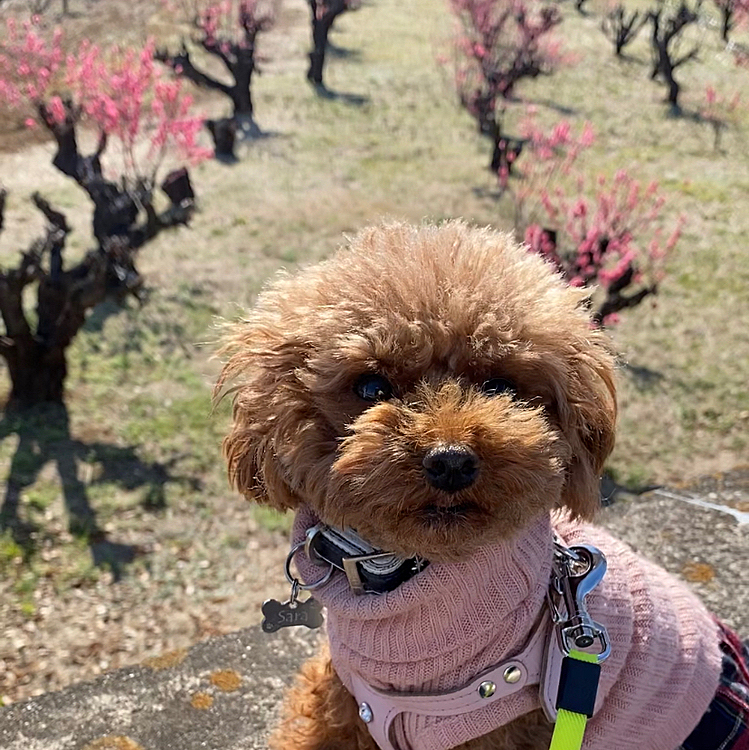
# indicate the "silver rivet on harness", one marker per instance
pixel 487 689
pixel 511 675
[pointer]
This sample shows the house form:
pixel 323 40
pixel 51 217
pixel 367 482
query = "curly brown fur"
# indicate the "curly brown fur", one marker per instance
pixel 438 312
pixel 319 713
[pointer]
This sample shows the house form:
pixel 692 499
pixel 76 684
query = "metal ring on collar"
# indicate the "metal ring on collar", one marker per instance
pixel 295 581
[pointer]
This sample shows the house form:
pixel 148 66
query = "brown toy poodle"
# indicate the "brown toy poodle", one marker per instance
pixel 439 393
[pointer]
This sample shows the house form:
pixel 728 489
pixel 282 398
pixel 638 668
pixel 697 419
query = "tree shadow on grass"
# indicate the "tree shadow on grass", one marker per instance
pixel 550 104
pixel 644 378
pixel 245 139
pixel 109 308
pixel 489 192
pixel 354 100
pixel 44 437
pixel 343 53
pixel 235 131
pixel 611 490
pixel 248 131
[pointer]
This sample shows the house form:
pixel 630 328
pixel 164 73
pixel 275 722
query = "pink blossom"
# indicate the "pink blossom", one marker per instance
pixel 588 136
pixel 580 209
pixel 609 232
pixel 56 109
pixel 122 94
pixel 28 63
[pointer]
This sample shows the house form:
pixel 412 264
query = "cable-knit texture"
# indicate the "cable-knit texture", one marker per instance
pixel 450 622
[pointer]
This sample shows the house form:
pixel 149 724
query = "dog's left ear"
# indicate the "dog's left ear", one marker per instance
pixel 588 420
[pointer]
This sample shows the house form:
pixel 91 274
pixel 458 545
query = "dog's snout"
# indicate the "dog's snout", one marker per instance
pixel 451 467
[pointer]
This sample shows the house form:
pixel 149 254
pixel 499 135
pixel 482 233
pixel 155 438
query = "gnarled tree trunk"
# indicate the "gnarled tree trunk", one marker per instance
pixel 665 33
pixel 36 356
pixel 324 14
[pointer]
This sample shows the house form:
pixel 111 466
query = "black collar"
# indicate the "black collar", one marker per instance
pixel 369 570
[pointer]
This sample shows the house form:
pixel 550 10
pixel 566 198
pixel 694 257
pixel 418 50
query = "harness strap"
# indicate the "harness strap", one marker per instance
pixel 533 665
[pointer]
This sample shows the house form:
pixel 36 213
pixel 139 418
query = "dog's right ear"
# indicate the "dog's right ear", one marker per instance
pixel 259 375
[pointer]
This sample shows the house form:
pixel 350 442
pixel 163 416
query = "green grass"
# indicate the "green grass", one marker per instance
pixel 10 551
pixel 41 495
pixel 272 520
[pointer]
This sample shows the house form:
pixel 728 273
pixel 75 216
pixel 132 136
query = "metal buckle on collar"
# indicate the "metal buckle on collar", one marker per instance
pixel 368 570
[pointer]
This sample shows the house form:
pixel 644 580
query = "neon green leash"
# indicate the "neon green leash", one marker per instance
pixel 578 685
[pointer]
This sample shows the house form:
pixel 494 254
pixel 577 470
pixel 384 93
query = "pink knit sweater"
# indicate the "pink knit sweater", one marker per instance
pixel 450 622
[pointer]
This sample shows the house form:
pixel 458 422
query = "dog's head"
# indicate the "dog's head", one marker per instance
pixel 435 388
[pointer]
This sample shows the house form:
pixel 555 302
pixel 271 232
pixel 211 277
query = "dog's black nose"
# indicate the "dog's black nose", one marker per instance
pixel 451 467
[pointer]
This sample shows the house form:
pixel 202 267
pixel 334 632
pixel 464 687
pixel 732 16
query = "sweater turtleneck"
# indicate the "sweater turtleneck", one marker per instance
pixel 452 621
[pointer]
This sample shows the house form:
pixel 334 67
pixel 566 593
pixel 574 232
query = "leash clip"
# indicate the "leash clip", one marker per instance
pixel 577 571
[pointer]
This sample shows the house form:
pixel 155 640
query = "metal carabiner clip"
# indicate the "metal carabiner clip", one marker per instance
pixel 578 630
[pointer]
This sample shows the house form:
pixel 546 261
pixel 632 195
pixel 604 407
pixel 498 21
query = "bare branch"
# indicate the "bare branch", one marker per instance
pixel 614 303
pixel 219 49
pixel 55 218
pixel 622 29
pixel 666 33
pixel 686 58
pixel 12 283
pixel 182 65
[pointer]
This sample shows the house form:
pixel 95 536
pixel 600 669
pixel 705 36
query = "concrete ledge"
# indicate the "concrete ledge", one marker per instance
pixel 705 546
pixel 222 694
pixel 219 695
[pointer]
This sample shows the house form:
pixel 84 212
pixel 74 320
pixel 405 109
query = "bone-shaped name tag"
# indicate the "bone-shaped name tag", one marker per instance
pixel 277 615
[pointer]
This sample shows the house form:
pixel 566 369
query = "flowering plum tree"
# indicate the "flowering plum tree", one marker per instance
pixel 145 118
pixel 227 30
pixel 323 16
pixel 603 234
pixel 611 240
pixel 500 43
pixel 122 96
pixel 550 157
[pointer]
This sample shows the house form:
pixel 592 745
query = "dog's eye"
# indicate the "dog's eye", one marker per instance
pixel 495 386
pixel 373 387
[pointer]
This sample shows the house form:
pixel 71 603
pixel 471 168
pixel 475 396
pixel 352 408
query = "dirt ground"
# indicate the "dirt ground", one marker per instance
pixel 177 596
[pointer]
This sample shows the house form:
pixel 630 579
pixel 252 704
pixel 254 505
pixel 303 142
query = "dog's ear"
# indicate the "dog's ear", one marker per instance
pixel 588 420
pixel 261 367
